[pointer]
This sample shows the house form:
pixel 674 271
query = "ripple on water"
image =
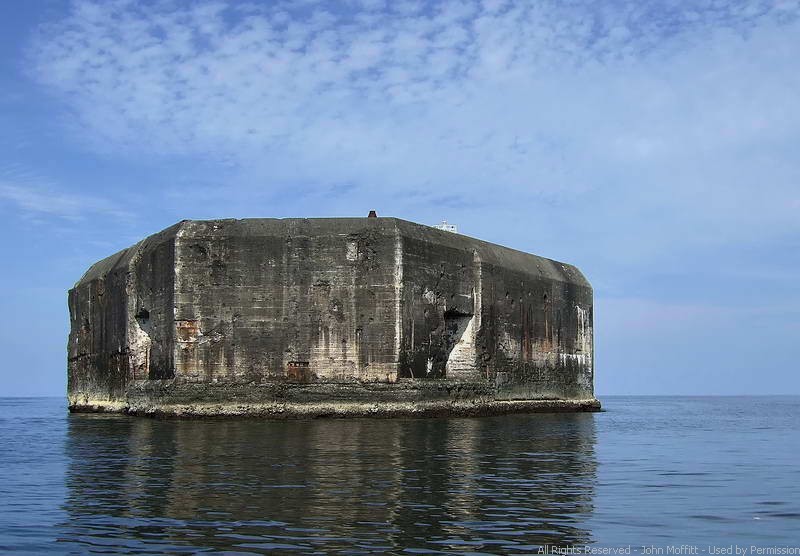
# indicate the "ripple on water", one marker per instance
pixel 667 470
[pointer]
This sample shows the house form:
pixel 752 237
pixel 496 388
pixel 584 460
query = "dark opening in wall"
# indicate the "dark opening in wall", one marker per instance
pixel 142 315
pixel 455 314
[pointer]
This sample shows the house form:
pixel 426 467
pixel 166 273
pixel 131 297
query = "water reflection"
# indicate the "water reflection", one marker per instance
pixel 490 485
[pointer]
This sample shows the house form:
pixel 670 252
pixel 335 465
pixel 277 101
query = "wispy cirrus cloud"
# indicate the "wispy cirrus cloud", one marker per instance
pixel 35 198
pixel 656 115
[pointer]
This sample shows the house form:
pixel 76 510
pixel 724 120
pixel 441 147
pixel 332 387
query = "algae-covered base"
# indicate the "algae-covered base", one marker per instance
pixel 341 409
pixel 289 401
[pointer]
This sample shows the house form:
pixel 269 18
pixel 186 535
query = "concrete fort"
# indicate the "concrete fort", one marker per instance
pixel 328 317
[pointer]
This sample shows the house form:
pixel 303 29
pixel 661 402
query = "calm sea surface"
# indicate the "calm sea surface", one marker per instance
pixel 648 471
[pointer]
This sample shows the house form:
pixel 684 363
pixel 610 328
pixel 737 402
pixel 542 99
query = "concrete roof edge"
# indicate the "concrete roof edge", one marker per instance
pixel 122 258
pixel 494 253
pixel 490 253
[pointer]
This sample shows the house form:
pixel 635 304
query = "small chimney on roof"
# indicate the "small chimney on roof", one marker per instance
pixel 372 214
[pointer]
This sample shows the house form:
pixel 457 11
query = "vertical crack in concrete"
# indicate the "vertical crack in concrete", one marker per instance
pixel 398 296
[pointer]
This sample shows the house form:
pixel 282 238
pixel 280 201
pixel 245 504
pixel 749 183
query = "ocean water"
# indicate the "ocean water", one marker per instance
pixel 649 473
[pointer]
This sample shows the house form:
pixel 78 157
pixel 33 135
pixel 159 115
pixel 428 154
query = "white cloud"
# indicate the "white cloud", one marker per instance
pixel 673 121
pixel 35 198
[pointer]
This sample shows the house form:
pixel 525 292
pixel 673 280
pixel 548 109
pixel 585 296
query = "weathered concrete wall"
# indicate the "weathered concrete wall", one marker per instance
pixel 287 300
pixel 441 300
pixel 475 310
pixel 538 330
pixel 264 316
pixel 122 321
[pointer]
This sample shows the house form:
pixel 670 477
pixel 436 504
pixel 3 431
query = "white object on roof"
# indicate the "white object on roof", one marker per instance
pixel 446 227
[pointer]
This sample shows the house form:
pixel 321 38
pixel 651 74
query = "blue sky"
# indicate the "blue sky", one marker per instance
pixel 656 145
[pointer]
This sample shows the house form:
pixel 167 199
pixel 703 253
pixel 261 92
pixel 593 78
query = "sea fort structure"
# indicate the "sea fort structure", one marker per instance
pixel 328 317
